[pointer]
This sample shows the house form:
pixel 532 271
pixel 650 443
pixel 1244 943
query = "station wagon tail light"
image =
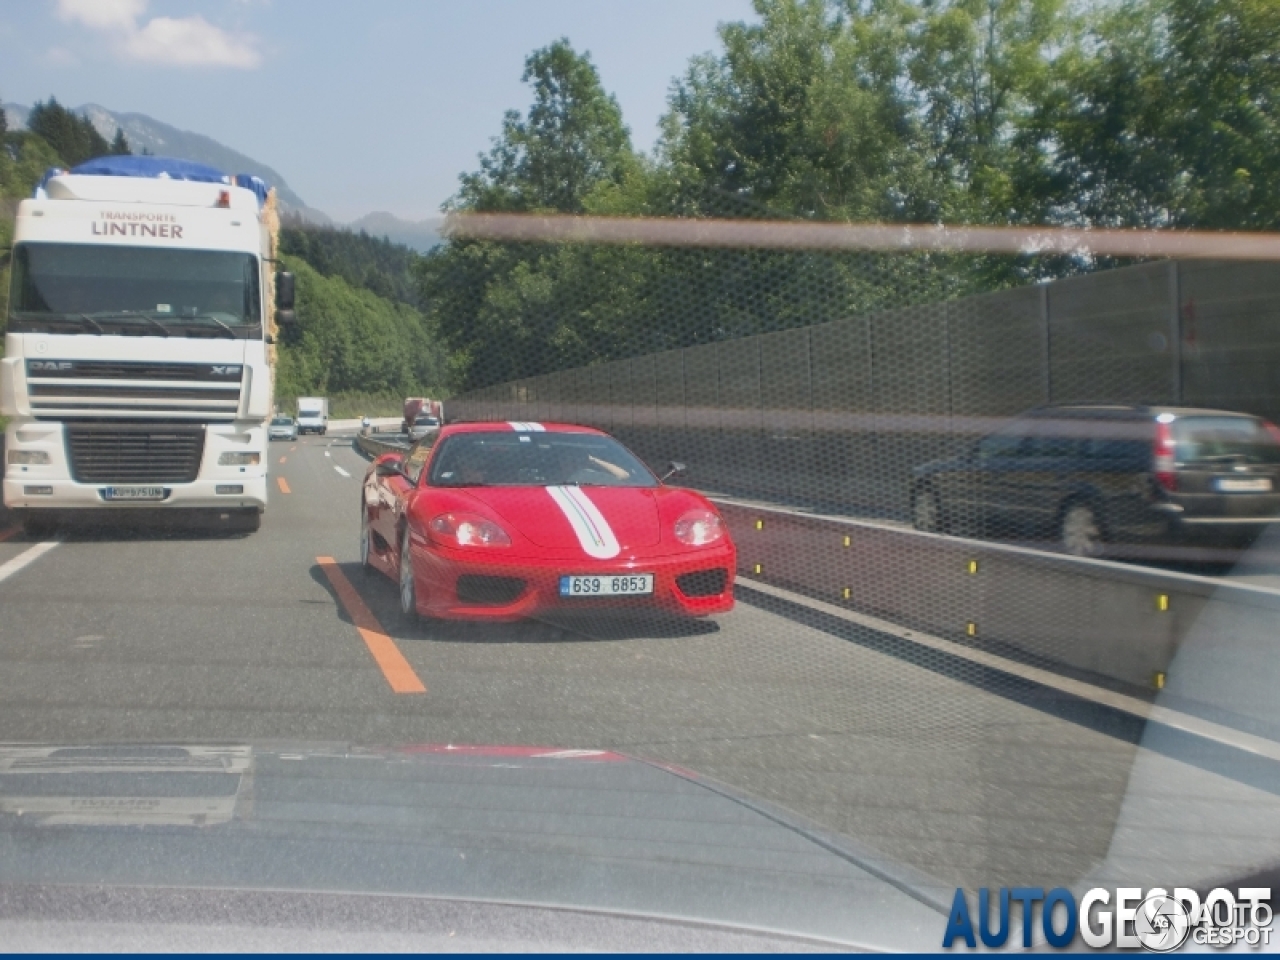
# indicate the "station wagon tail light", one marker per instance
pixel 467 530
pixel 1272 430
pixel 1165 460
pixel 697 528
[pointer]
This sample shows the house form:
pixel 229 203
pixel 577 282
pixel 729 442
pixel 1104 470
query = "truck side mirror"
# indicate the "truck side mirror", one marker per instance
pixel 285 299
pixel 284 291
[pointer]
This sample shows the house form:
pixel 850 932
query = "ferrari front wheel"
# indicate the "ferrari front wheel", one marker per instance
pixel 365 539
pixel 408 590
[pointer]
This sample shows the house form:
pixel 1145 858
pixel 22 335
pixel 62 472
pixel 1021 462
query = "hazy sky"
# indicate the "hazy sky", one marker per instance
pixel 361 106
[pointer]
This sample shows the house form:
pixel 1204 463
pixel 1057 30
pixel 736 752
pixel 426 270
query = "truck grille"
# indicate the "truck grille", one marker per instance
pixel 125 389
pixel 129 453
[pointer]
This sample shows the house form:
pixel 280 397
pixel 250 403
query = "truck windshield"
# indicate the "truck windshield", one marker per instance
pixel 134 290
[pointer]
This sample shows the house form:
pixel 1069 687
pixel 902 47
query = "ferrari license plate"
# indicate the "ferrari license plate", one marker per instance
pixel 1244 484
pixel 133 493
pixel 622 585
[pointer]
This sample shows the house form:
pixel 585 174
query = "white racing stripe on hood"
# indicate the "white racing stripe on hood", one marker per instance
pixel 592 529
pixel 526 426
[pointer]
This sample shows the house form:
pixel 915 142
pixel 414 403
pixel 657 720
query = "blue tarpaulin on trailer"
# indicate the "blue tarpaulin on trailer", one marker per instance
pixel 170 168
pixel 164 167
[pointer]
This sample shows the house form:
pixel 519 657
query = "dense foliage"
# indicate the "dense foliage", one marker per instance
pixel 1151 113
pixel 72 136
pixel 374 263
pixel 349 339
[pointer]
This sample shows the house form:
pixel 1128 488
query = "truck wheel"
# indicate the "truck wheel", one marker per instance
pixel 39 527
pixel 249 521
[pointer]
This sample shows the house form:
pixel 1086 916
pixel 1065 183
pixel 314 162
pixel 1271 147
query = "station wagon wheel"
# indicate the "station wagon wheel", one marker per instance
pixel 926 514
pixel 1081 532
pixel 408 592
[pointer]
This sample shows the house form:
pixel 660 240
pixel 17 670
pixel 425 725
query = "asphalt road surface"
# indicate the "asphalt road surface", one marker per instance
pixel 966 775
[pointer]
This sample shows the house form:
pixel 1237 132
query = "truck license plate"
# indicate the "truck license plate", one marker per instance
pixel 1244 484
pixel 630 584
pixel 133 493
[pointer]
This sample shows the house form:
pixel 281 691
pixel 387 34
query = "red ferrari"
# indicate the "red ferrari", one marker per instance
pixel 499 521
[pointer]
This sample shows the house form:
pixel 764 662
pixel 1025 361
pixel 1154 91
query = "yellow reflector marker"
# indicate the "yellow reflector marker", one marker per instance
pixel 759 524
pixel 971 629
pixel 847 593
pixel 848 541
pixel 759 568
pixel 973 566
pixel 1158 679
pixel 1162 602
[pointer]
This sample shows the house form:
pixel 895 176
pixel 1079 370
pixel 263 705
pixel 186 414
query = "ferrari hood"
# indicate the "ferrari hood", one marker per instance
pixel 601 521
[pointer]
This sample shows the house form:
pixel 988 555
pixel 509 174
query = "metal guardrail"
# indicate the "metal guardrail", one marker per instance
pixel 373 446
pixel 1135 625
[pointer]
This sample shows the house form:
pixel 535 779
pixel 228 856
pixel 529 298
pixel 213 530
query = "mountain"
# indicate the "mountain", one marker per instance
pixel 147 133
pixel 420 235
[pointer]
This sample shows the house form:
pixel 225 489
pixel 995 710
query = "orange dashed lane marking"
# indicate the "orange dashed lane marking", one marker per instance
pixel 6 534
pixel 385 652
pixel 283 484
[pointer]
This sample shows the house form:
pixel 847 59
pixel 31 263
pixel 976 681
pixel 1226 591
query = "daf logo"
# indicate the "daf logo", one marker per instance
pixel 224 371
pixel 50 364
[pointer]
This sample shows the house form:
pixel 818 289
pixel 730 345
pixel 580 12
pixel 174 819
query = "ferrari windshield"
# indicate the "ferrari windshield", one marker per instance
pixel 538 460
pixel 83 288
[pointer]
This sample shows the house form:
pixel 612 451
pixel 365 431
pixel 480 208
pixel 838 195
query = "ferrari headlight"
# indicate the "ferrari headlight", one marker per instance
pixel 468 530
pixel 699 527
pixel 32 457
pixel 233 458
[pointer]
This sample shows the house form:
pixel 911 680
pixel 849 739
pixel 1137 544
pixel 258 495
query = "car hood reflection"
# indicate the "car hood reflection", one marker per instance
pixel 587 829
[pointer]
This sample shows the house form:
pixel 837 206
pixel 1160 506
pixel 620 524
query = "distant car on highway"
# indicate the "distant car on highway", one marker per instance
pixel 498 521
pixel 1089 476
pixel 422 425
pixel 283 428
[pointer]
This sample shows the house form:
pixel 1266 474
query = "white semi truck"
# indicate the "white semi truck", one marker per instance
pixel 138 369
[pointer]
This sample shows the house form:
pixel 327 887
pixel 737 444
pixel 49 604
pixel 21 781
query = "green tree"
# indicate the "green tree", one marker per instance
pixel 1167 114
pixel 72 136
pixel 349 339
pixel 571 139
pixel 120 145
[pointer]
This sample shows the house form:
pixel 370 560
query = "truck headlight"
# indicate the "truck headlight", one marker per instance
pixel 27 456
pixel 233 458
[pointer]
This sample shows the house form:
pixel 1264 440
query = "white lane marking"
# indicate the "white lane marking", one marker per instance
pixel 30 555
pixel 1076 688
pixel 326 453
pixel 341 471
pixel 526 426
pixel 588 523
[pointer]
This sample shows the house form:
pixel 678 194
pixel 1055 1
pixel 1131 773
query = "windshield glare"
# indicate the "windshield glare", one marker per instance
pixel 1209 439
pixel 540 460
pixel 62 284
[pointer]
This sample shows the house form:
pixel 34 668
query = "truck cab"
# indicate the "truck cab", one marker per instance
pixel 137 371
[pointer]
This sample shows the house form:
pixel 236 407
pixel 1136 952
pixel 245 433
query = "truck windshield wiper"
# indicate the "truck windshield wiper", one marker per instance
pixel 211 319
pixel 108 315
pixel 97 327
